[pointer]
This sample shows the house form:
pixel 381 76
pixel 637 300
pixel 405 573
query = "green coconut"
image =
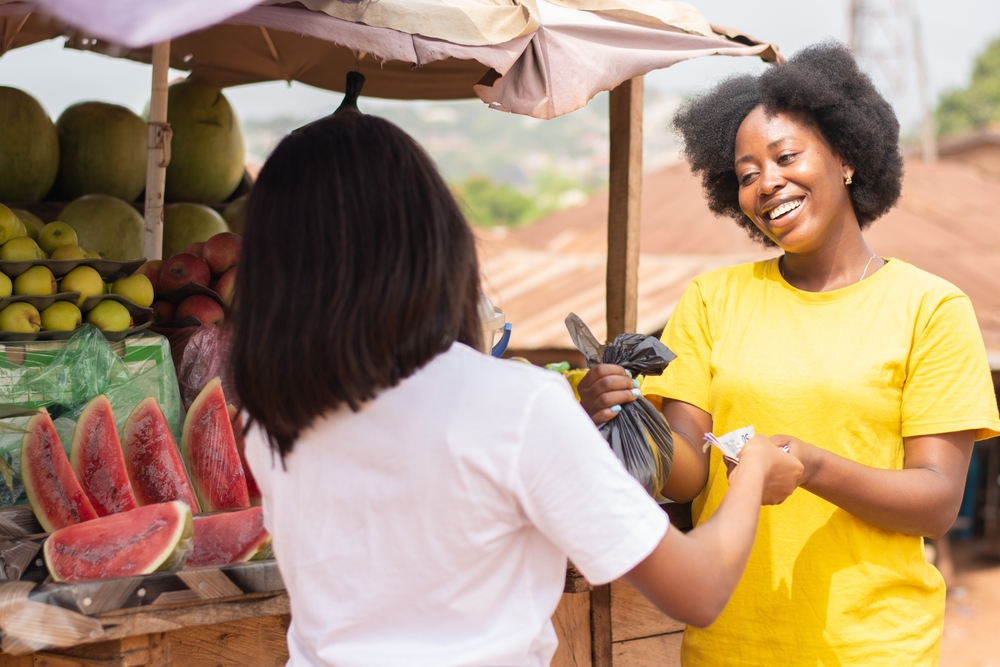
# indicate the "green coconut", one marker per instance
pixel 29 147
pixel 185 223
pixel 102 150
pixel 207 150
pixel 109 226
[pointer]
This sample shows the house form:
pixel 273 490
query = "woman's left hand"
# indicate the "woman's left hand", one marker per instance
pixel 808 454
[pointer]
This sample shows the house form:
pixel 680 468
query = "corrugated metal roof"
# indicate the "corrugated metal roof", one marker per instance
pixel 947 222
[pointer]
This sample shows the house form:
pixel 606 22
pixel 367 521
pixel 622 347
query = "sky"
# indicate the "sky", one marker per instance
pixel 954 31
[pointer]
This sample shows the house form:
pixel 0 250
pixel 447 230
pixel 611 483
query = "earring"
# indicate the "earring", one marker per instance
pixel 847 180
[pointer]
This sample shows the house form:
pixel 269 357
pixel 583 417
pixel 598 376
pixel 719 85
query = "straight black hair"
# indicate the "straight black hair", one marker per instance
pixel 357 269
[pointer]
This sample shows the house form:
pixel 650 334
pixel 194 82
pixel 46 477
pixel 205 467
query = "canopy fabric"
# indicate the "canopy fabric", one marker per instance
pixel 578 49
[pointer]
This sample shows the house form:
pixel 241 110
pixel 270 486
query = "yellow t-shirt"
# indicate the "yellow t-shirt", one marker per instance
pixel 854 371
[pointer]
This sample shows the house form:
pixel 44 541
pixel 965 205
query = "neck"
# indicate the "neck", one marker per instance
pixel 833 266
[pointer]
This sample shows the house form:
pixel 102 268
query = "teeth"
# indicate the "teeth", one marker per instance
pixel 784 208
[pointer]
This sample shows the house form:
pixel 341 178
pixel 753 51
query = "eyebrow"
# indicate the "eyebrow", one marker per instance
pixel 748 157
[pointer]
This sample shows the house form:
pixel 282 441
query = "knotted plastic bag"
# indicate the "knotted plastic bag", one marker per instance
pixel 639 436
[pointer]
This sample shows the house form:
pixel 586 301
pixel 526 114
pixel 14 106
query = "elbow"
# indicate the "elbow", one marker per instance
pixel 705 610
pixel 938 523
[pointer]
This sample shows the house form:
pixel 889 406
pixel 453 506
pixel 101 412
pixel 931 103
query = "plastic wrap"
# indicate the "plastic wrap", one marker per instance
pixel 200 354
pixel 639 436
pixel 64 376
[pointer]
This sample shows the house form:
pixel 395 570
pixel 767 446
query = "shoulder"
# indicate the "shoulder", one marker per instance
pixel 735 276
pixel 923 283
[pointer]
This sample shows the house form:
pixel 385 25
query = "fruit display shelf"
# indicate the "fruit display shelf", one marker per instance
pixel 110 270
pixel 144 620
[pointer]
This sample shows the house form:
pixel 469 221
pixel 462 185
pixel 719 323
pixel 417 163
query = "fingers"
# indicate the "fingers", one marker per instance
pixel 604 390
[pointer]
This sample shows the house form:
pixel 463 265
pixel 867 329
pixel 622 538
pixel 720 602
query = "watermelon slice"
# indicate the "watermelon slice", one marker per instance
pixel 209 449
pixel 96 457
pixel 229 537
pixel 149 539
pixel 52 489
pixel 152 459
pixel 252 489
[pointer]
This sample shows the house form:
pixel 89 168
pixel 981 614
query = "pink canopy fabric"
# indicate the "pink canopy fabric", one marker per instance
pixel 564 57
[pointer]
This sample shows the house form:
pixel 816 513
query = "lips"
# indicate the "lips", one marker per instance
pixel 782 209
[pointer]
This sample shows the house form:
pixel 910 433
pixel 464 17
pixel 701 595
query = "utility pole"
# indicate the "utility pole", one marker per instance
pixel 885 36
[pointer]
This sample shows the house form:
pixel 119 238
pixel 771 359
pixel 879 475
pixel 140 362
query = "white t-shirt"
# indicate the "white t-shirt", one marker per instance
pixel 433 526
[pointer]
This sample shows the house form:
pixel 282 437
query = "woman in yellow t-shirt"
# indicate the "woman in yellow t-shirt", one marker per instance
pixel 872 371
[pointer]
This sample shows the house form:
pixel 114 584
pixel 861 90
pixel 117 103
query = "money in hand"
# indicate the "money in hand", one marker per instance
pixel 731 443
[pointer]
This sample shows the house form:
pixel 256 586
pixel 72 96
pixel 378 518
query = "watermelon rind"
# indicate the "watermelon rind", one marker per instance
pixel 72 538
pixel 53 491
pixel 235 536
pixel 224 485
pixel 98 460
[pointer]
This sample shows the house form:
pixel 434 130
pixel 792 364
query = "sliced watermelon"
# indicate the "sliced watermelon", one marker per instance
pixel 149 539
pixel 96 457
pixel 209 449
pixel 229 537
pixel 152 459
pixel 52 489
pixel 252 489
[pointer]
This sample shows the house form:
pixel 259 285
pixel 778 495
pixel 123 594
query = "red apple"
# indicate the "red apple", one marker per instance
pixel 226 286
pixel 151 270
pixel 163 311
pixel 195 248
pixel 182 269
pixel 205 308
pixel 222 252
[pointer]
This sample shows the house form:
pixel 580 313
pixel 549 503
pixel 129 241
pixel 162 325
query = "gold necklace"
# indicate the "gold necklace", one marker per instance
pixel 781 267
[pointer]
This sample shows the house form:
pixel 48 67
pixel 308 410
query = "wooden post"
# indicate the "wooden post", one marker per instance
pixel 158 143
pixel 624 199
pixel 600 626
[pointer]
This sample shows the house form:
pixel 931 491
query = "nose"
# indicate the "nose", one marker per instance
pixel 770 180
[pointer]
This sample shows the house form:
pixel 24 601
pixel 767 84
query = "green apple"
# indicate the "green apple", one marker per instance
pixel 61 316
pixel 109 315
pixel 85 280
pixel 6 286
pixel 9 224
pixel 56 234
pixel 20 317
pixel 32 223
pixel 68 252
pixel 21 249
pixel 37 280
pixel 136 288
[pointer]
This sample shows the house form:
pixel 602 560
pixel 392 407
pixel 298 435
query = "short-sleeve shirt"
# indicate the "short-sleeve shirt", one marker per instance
pixel 854 371
pixel 432 526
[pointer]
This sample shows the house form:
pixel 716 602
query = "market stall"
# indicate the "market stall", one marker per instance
pixel 219 615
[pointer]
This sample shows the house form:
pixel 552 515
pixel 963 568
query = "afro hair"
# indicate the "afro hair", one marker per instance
pixel 822 81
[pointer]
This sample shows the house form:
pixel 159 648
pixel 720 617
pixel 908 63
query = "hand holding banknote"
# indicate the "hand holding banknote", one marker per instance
pixel 744 447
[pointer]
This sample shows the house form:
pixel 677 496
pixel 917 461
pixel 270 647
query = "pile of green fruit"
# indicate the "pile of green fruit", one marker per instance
pixel 58 241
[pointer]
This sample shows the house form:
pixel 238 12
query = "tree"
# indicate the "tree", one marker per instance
pixel 488 204
pixel 979 104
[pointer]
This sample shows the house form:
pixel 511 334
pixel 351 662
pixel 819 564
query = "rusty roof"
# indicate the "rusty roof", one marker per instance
pixel 947 222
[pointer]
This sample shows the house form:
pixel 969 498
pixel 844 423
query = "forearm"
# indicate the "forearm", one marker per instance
pixel 914 501
pixel 692 576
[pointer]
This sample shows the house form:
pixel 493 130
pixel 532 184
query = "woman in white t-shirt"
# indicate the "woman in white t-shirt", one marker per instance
pixel 424 497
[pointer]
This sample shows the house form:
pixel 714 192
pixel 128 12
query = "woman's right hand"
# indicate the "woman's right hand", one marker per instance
pixel 604 389
pixel 782 470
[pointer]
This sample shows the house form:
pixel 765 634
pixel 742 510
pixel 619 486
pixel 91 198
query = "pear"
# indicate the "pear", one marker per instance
pixel 109 315
pixel 20 317
pixel 21 249
pixel 85 280
pixel 37 280
pixel 136 288
pixel 56 234
pixel 61 316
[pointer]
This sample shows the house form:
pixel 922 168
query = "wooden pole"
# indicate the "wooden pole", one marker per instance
pixel 624 198
pixel 158 157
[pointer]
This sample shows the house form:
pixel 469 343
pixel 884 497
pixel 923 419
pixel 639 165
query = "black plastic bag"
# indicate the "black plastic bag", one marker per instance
pixel 639 436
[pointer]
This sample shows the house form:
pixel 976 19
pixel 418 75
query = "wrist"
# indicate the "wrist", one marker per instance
pixel 812 462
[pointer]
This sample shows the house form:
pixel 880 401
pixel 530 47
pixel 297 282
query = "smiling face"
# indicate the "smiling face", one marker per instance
pixel 792 181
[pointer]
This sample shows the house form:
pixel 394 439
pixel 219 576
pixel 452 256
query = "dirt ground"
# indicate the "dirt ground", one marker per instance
pixel 972 615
